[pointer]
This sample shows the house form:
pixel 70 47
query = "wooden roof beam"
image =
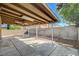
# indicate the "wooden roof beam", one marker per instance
pixel 13 16
pixel 43 9
pixel 30 8
pixel 19 19
pixel 23 12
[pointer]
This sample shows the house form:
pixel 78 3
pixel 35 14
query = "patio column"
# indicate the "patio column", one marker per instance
pixel 36 32
pixel 0 26
pixel 52 31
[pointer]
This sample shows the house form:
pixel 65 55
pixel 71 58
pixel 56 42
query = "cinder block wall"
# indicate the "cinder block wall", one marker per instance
pixel 41 31
pixel 67 32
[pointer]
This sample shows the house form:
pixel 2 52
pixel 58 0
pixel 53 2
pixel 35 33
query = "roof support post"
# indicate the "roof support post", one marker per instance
pixel 0 26
pixel 36 32
pixel 0 32
pixel 52 31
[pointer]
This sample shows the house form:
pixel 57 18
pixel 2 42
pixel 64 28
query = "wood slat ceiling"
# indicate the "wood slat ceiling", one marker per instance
pixel 12 13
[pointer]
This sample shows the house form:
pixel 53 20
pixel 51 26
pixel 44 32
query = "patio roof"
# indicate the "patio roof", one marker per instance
pixel 26 13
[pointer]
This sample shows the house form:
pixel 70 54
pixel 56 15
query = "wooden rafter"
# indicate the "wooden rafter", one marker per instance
pixel 38 12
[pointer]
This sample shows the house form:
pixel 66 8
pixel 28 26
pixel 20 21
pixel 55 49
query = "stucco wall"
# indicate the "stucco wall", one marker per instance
pixel 6 33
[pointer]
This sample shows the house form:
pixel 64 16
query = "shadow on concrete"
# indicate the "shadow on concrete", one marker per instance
pixel 34 49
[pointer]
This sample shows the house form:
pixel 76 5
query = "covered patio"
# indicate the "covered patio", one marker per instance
pixel 30 16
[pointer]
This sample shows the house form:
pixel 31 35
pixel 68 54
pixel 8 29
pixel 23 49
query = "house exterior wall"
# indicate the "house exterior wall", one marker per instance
pixel 6 32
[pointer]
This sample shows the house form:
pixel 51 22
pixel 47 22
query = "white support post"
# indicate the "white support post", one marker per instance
pixel 0 27
pixel 52 31
pixel 36 32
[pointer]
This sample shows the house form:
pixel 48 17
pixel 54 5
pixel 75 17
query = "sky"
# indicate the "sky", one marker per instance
pixel 53 7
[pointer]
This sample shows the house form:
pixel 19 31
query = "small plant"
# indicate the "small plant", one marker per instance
pixel 14 27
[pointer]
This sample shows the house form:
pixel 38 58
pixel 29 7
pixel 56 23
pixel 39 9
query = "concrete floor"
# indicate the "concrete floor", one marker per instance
pixel 22 46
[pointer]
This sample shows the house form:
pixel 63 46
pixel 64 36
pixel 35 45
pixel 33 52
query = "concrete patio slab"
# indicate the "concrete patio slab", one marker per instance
pixel 65 51
pixel 7 48
pixel 29 46
pixel 16 46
